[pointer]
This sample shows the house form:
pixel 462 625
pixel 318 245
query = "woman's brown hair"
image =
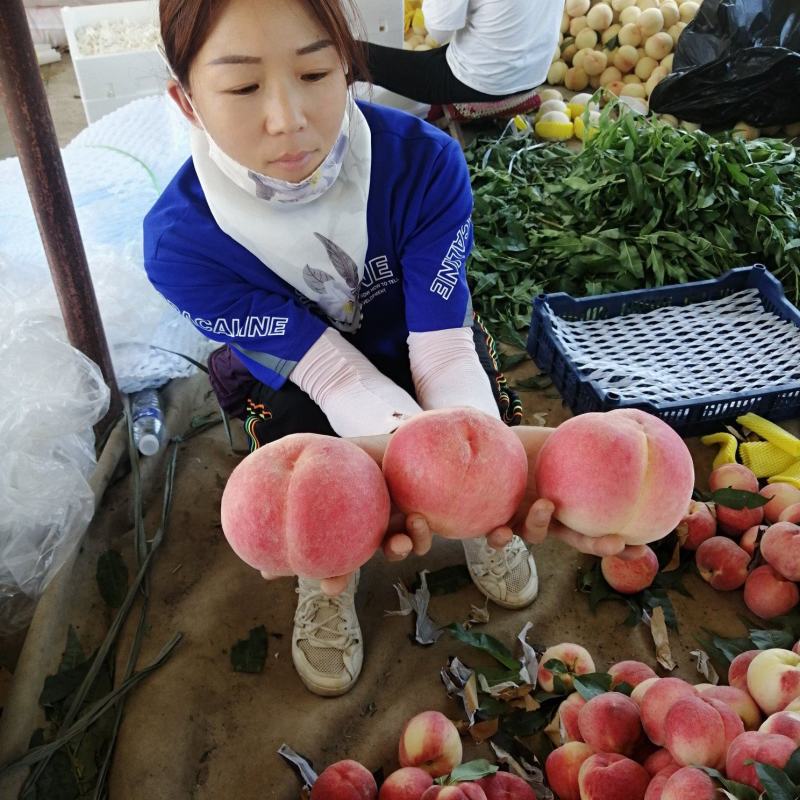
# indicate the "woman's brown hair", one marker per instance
pixel 186 24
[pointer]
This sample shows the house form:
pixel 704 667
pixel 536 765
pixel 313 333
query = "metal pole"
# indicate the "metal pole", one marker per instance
pixel 31 124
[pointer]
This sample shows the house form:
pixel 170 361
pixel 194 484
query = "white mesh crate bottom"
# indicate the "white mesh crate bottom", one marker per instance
pixel 678 353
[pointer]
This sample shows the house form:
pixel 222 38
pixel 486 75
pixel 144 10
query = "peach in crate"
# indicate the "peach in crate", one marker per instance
pixel 622 471
pixel 307 505
pixel 465 471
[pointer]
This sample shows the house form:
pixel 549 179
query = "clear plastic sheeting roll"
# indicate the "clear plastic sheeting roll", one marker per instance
pixel 52 395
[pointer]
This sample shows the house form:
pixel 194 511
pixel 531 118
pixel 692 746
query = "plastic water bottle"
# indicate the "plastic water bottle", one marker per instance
pixel 148 421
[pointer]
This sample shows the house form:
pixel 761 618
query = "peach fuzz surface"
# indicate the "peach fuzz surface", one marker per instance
pixel 307 505
pixel 622 471
pixel 768 748
pixel 563 766
pixel 505 786
pixel 576 658
pixel 768 594
pixel 610 776
pixel 406 783
pixel 463 470
pixel 610 723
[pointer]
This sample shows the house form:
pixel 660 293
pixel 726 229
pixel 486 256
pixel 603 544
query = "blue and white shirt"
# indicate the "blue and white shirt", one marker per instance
pixel 420 234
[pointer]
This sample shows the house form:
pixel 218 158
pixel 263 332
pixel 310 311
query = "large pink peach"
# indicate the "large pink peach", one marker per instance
pixel 780 547
pixel 768 748
pixel 657 783
pixel 610 776
pixel 689 782
pixel 307 505
pixel 737 671
pixel 695 733
pixel 699 524
pixel 738 699
pixel 576 658
pixel 465 471
pixel 768 594
pixel 622 471
pixel 562 767
pixel 630 574
pixel 568 717
pixel 781 496
pixel 610 723
pixel 733 476
pixel 505 786
pixel 406 783
pixel 722 563
pixel 345 780
pixel 431 742
pixel 630 672
pixel 657 702
pixel 786 723
pixel 458 791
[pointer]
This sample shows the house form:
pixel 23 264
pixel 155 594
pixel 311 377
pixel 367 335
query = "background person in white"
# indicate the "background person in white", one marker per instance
pixel 496 48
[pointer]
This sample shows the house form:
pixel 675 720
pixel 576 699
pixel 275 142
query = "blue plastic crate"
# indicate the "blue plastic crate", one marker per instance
pixel 690 418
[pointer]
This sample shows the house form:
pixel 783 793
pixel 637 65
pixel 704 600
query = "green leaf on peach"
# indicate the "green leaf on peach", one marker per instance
pixel 776 782
pixel 592 684
pixel 472 770
pixel 738 499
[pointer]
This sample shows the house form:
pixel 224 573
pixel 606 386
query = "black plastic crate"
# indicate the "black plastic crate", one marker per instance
pixel 690 418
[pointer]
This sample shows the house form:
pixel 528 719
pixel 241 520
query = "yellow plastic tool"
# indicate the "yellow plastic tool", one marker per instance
pixel 791 475
pixel 727 449
pixel 764 458
pixel 772 433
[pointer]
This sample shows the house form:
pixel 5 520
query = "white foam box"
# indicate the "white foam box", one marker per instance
pixel 383 20
pixel 108 81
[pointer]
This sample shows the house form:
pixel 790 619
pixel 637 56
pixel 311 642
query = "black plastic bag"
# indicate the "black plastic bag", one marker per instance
pixel 737 60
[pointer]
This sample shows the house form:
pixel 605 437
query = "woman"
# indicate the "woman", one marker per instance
pixel 324 242
pixel 496 49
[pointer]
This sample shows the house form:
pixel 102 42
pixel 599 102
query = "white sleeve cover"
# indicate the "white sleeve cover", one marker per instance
pixel 447 372
pixel 355 396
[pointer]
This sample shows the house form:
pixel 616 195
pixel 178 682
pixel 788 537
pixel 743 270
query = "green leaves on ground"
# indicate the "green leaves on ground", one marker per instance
pixel 249 655
pixel 488 644
pixel 642 204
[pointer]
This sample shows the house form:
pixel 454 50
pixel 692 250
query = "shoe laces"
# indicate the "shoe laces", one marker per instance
pixel 323 621
pixel 499 562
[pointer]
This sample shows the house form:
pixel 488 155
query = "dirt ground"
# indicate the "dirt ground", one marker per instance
pixel 197 729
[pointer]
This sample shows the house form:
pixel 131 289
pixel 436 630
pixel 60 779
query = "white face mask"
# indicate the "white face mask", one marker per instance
pixel 274 190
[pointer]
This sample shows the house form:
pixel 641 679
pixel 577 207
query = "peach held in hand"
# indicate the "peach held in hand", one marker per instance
pixel 431 742
pixel 505 786
pixel 610 723
pixel 609 776
pixel 345 780
pixel 407 783
pixel 722 563
pixel 465 471
pixel 307 505
pixel 576 659
pixel 562 767
pixel 699 524
pixel 768 594
pixel 630 575
pixel 623 471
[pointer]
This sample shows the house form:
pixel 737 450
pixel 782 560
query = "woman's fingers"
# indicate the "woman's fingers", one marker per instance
pixel 537 522
pixel 610 545
pixel 421 535
pixel 499 537
pixel 397 546
pixel 334 586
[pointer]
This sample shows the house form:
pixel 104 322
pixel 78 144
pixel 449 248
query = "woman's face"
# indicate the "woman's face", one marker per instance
pixel 269 88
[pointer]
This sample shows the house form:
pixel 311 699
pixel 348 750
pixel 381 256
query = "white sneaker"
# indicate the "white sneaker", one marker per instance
pixel 327 647
pixel 507 576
